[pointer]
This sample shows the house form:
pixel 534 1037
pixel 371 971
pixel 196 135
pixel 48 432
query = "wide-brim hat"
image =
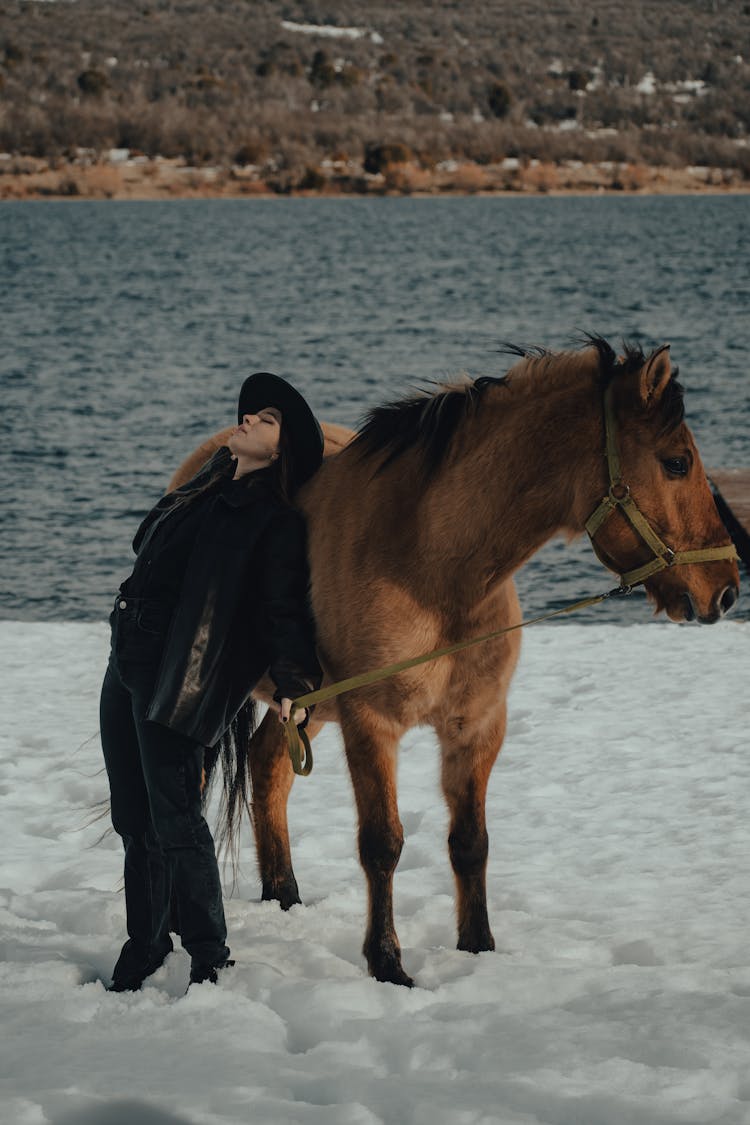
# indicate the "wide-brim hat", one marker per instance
pixel 306 437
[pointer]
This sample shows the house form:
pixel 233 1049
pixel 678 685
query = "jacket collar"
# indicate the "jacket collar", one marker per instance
pixel 248 489
pixel 235 493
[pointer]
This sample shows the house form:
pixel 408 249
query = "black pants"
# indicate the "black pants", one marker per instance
pixel 154 779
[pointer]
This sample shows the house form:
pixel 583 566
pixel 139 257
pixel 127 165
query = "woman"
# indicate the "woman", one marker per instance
pixel 218 596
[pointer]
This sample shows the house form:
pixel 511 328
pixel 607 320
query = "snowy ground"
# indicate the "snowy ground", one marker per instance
pixel 618 886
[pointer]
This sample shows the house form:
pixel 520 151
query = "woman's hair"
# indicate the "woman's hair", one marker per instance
pixel 184 495
pixel 282 469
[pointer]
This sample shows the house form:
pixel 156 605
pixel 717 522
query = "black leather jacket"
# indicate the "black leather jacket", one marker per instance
pixel 243 608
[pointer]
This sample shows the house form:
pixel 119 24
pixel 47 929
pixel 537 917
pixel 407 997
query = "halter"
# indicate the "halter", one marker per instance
pixel 619 497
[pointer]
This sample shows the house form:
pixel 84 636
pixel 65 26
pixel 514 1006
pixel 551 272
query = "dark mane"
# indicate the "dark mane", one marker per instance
pixel 672 405
pixel 426 420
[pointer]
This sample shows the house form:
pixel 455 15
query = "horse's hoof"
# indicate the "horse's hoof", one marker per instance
pixel 288 899
pixel 286 894
pixel 388 970
pixel 394 975
pixel 482 943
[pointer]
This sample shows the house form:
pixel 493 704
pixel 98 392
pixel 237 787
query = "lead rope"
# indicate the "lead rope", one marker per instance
pixel 298 744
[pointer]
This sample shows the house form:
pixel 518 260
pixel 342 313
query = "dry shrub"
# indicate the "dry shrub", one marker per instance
pixel 92 83
pixel 102 181
pixel 67 185
pixel 379 155
pixel 193 179
pixel 173 187
pixel 254 187
pixel 291 164
pixel 469 178
pixel 13 55
pixel 312 180
pixel 407 178
pixel 499 99
pixel 253 150
pixel 633 177
pixel 541 177
pixel 21 166
pixel 742 161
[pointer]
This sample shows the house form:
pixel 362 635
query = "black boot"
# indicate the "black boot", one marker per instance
pixel 133 967
pixel 200 974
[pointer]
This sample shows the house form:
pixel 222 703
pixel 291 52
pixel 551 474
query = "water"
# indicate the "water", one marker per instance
pixel 129 326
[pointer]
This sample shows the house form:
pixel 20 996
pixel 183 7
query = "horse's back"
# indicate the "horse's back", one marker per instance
pixel 336 438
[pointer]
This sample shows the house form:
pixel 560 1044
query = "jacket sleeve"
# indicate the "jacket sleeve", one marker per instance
pixel 290 628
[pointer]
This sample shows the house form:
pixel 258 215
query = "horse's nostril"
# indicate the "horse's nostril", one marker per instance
pixel 689 608
pixel 728 598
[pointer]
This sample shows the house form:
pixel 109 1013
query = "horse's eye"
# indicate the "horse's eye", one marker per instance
pixel 677 466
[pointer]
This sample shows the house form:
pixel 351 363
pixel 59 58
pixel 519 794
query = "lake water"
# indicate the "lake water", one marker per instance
pixel 128 328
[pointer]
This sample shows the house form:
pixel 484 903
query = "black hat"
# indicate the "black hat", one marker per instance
pixel 306 437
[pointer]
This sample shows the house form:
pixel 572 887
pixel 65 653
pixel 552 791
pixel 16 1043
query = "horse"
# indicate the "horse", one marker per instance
pixel 416 526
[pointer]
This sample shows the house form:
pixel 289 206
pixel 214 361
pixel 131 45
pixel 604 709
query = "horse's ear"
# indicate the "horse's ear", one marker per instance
pixel 654 376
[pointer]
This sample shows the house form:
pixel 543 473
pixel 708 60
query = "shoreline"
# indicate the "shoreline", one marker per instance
pixel 138 178
pixel 270 196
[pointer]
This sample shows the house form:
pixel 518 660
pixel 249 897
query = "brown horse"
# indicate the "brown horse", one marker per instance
pixel 415 530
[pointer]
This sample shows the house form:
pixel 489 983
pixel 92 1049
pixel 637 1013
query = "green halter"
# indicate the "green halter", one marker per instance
pixel 619 497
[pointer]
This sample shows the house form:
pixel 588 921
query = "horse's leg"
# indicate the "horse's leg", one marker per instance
pixel 371 750
pixel 272 777
pixel 467 762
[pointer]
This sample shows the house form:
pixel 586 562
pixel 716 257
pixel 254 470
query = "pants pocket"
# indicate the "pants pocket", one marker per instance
pixel 154 620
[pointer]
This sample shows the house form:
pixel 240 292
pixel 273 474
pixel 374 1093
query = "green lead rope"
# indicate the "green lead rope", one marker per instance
pixel 298 744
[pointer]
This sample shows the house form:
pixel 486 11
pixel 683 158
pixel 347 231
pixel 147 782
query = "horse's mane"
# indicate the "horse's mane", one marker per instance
pixel 429 419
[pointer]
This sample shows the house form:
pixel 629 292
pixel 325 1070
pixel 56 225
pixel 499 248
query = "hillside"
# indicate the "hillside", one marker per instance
pixel 320 94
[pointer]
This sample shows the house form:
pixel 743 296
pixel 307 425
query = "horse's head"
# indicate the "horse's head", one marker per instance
pixel 660 504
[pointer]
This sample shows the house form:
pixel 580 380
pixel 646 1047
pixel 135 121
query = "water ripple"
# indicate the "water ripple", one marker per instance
pixel 129 326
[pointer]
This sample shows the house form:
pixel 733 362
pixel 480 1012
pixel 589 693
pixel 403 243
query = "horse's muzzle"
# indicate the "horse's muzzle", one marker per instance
pixel 720 606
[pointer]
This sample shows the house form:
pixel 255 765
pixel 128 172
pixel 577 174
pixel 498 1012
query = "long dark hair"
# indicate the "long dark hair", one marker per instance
pixel 231 751
pixel 283 468
pixel 231 755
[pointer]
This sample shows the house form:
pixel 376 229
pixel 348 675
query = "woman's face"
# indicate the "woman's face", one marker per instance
pixel 257 437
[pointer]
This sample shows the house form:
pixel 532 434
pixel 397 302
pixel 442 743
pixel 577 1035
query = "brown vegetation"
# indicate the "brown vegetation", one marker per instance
pixel 223 83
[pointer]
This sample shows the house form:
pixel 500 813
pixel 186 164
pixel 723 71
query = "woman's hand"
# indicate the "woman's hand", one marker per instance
pixel 286 709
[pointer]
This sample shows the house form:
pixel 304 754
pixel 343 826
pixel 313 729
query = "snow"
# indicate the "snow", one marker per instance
pixel 694 86
pixel 329 31
pixel 618 889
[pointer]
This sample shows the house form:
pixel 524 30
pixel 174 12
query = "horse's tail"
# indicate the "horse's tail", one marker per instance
pixel 232 755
